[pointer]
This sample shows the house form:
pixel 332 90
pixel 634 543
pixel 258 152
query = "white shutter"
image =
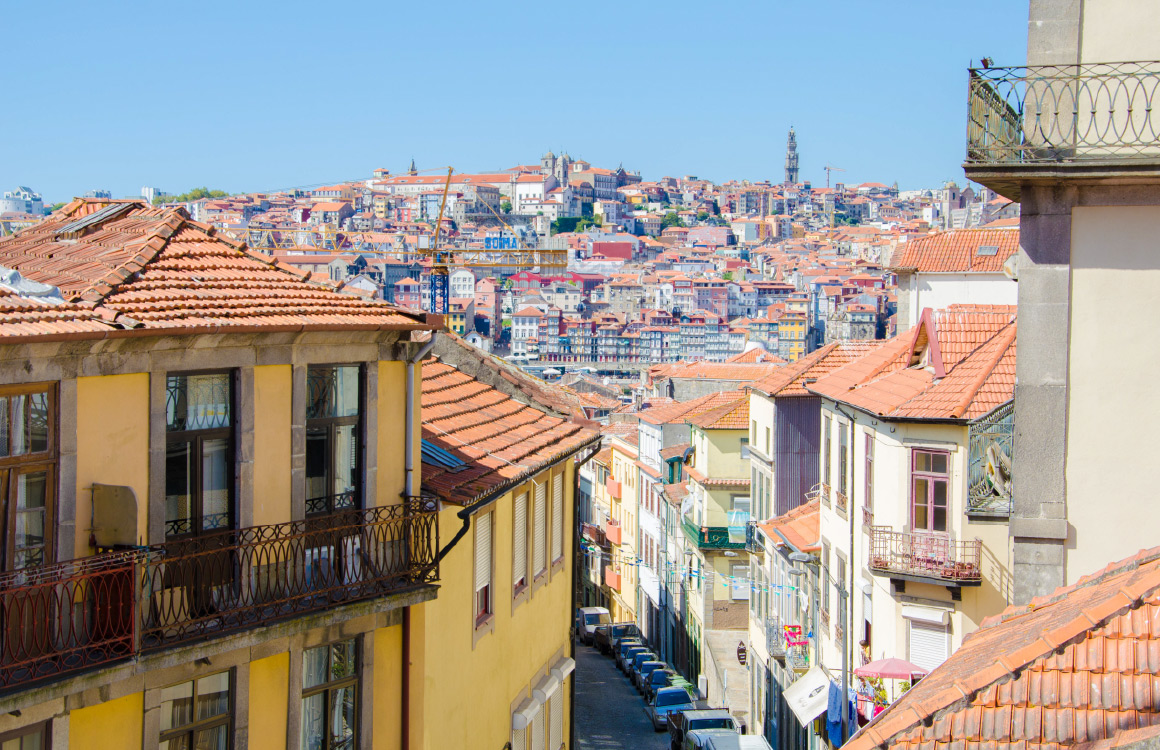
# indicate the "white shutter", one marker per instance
pixel 540 518
pixel 482 550
pixel 520 542
pixel 538 729
pixel 929 644
pixel 558 516
pixel 556 721
pixel 519 739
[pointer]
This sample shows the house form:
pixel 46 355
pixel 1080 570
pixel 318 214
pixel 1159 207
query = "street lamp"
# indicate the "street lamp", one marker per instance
pixel 843 599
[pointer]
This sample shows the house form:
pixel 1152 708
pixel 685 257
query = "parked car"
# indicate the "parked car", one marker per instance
pixel 587 618
pixel 723 739
pixel 607 637
pixel 658 679
pixel 628 654
pixel 632 667
pixel 665 702
pixel 645 672
pixel 681 723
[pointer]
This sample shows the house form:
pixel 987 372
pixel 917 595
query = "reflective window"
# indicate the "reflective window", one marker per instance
pixel 28 455
pixel 330 696
pixel 197 714
pixel 199 454
pixel 333 438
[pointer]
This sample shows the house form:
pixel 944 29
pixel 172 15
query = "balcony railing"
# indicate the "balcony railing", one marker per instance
pixel 612 532
pixel 594 534
pixel 797 658
pixel 775 638
pixel 612 579
pixel 709 537
pixel 1063 113
pixel 71 616
pixel 753 542
pixel 927 556
pixel 991 440
pixel 841 502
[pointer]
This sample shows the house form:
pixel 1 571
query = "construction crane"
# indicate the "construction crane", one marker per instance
pixel 829 169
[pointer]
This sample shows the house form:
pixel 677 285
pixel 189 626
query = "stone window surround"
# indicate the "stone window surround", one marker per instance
pixel 64 362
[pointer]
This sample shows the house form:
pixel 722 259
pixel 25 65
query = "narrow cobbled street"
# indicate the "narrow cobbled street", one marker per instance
pixel 609 711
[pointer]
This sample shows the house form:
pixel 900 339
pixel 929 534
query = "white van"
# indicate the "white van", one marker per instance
pixel 587 618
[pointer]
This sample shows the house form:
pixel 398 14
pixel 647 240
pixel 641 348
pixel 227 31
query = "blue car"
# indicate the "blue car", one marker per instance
pixel 666 701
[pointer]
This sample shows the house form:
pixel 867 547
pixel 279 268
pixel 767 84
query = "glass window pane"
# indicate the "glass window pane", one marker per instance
pixel 343 717
pixel 216 738
pixel 939 519
pixel 176 743
pixel 215 483
pixel 197 402
pixel 346 386
pixel 17 434
pixel 4 439
pixel 11 744
pixel 317 452
pixel 345 458
pixel 213 695
pixel 939 463
pixel 176 706
pixel 314 721
pixel 38 422
pixel 32 741
pixel 939 493
pixel 332 391
pixel 314 666
pixel 921 461
pixel 920 500
pixel 178 490
pixel 342 660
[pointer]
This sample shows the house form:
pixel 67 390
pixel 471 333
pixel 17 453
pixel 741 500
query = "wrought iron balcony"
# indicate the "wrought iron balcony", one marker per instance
pixel 797 658
pixel 594 534
pixel 1096 117
pixel 841 502
pixel 753 542
pixel 991 440
pixel 72 616
pixel 925 557
pixel 709 537
pixel 775 638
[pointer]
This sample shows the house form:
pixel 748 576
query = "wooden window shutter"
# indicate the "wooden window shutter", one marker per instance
pixel 558 516
pixel 520 541
pixel 482 550
pixel 540 518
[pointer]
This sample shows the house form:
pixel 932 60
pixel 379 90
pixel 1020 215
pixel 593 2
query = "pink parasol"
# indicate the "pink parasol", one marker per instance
pixel 896 669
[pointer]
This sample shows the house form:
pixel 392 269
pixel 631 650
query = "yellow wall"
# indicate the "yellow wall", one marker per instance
pixel 112 446
pixel 115 723
pixel 272 386
pixel 1111 439
pixel 267 721
pixel 388 676
pixel 506 660
pixel 392 418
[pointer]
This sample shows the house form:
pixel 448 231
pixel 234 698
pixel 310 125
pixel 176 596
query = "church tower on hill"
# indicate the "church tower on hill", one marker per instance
pixel 791 159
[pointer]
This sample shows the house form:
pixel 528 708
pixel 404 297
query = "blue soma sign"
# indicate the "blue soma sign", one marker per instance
pixel 501 243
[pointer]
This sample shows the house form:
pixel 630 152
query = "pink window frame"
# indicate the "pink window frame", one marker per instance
pixel 929 475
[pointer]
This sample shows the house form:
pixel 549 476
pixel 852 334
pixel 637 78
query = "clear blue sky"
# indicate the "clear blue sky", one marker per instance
pixel 246 96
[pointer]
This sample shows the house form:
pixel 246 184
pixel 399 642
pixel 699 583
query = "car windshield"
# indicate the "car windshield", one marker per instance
pixel 658 677
pixel 722 723
pixel 672 699
pixel 596 618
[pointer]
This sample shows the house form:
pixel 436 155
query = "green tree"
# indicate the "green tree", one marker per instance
pixel 671 220
pixel 506 207
pixel 702 215
pixel 55 207
pixel 728 276
pixel 193 195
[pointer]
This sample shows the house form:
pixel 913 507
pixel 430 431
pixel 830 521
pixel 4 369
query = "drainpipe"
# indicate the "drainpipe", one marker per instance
pixel 410 490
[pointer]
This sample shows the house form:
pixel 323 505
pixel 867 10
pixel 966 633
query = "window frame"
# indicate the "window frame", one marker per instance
pixel 868 496
pixel 331 424
pixel 44 727
pixel 198 439
pixel 826 440
pixel 481 617
pixel 12 467
pixel 325 688
pixel 226 719
pixel 931 478
pixel 520 586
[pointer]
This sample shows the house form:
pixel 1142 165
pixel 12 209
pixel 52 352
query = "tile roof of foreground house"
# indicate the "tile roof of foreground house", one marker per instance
pixel 733 415
pixel 799 527
pixel 678 411
pixel 958 250
pixel 792 379
pixel 1079 666
pixel 152 268
pixel 499 440
pixel 956 364
pixel 24 315
pixel 741 372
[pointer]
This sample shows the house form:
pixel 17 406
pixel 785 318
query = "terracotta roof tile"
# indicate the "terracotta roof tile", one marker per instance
pixel 800 526
pixel 1077 667
pixel 957 250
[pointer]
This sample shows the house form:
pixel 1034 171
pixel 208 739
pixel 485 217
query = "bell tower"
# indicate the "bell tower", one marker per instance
pixel 791 159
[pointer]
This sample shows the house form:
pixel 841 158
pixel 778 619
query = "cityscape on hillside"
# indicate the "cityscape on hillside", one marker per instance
pixel 558 457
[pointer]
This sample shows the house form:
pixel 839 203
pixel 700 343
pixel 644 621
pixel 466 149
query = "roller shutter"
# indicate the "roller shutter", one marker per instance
pixel 557 516
pixel 929 644
pixel 540 519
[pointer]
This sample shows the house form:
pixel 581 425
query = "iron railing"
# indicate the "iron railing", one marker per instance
pixel 71 616
pixel 925 555
pixel 991 440
pixel 1063 113
pixel 775 638
pixel 797 658
pixel 709 537
pixel 841 502
pixel 594 534
pixel 753 542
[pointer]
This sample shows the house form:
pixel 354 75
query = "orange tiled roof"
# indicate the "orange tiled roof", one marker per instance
pixel 957 250
pixel 501 441
pixel 22 316
pixel 957 363
pixel 1079 666
pixel 800 526
pixel 675 451
pixel 791 379
pixel 681 410
pixel 723 371
pixel 147 267
pixel 733 415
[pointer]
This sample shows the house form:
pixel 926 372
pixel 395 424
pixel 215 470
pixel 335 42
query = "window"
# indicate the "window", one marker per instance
pixel 333 438
pixel 28 458
pixel 741 503
pixel 199 453
pixel 740 587
pixel 868 498
pixel 753 430
pixel 929 479
pixel 520 543
pixel 482 568
pixel 843 455
pixel 197 714
pixel 558 516
pixel 330 696
pixel 744 448
pixel 540 530
pixel 767 445
pixel 826 452
pixel 26 738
